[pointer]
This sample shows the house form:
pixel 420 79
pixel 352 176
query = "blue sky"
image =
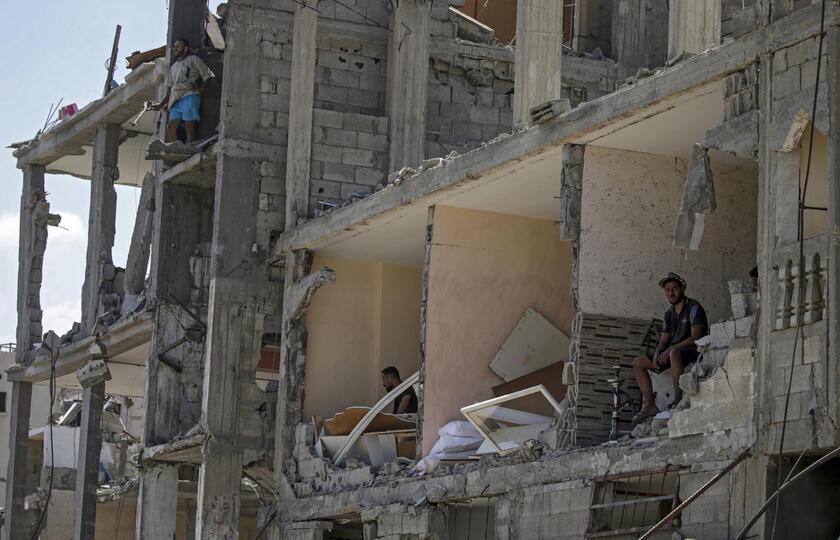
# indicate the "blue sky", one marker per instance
pixel 51 50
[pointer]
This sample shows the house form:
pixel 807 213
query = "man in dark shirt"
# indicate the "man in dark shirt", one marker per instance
pixel 685 322
pixel 406 402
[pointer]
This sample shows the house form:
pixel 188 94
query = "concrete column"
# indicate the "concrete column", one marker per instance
pixel 640 32
pixel 19 523
pixel 593 21
pixel 693 26
pixel 290 388
pixel 299 150
pixel 186 21
pixel 99 270
pixel 239 298
pixel 571 185
pixel 157 503
pixel 34 210
pixel 408 66
pixel 539 48
pixel 141 239
pixel 87 469
pixel 832 45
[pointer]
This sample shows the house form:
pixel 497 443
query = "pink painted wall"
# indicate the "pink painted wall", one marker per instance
pixel 368 319
pixel 486 270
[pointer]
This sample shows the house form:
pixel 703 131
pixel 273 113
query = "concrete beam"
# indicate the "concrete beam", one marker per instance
pixel 408 66
pixel 127 334
pixel 99 270
pixel 118 107
pixel 299 150
pixel 539 54
pixel 141 239
pixel 87 469
pixel 581 125
pixel 157 503
pixel 504 478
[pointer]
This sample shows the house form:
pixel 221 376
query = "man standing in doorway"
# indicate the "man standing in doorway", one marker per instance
pixel 183 91
pixel 685 323
pixel 406 402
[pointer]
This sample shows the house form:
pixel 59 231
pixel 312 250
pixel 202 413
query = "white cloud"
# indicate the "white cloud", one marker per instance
pixel 60 317
pixel 71 232
pixel 9 223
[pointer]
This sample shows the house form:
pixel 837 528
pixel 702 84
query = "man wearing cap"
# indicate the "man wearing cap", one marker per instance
pixel 685 322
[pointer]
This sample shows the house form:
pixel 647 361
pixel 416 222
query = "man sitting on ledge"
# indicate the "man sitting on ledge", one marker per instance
pixel 685 322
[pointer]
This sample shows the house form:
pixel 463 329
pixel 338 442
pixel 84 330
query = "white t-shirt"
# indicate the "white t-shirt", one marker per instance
pixel 183 77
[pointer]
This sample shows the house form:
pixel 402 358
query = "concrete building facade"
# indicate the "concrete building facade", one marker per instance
pixel 382 183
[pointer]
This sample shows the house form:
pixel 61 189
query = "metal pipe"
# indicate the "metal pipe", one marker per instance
pixel 676 511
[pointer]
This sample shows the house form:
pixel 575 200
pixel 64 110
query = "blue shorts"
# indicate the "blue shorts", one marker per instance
pixel 186 109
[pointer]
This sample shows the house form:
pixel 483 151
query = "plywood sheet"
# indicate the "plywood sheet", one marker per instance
pixel 344 422
pixel 533 344
pixel 551 377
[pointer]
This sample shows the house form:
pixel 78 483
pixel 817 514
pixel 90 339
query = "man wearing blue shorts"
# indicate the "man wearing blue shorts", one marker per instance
pixel 183 91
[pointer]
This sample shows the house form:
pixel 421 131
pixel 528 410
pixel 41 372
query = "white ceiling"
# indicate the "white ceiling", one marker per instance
pixel 526 188
pixel 131 161
pixel 673 131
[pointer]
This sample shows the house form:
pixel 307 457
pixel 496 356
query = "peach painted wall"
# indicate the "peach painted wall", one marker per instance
pixel 629 208
pixel 368 319
pixel 486 270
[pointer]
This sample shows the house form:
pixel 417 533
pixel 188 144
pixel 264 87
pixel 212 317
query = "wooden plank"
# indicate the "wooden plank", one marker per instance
pixel 344 422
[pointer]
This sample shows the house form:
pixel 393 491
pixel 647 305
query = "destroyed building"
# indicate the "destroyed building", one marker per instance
pixel 383 183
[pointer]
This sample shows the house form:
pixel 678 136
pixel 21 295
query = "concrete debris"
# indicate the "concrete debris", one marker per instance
pixel 596 54
pixel 94 372
pixel 641 431
pixel 677 59
pixel 173 151
pixel 698 200
pixel 794 134
pixel 470 29
pixel 399 176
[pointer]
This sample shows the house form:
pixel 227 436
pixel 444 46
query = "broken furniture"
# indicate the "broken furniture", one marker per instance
pixel 368 434
pixel 508 421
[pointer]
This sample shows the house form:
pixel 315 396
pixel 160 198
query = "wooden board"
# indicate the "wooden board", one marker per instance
pixel 533 344
pixel 344 422
pixel 551 377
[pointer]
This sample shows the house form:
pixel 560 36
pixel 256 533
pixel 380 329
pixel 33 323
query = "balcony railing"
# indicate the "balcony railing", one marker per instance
pixel 800 295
